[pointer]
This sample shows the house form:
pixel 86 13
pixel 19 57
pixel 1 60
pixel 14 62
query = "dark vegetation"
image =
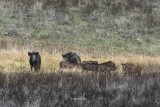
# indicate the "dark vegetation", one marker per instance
pixel 25 89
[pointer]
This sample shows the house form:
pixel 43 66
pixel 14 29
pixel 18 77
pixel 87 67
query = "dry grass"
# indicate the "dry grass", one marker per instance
pixel 15 60
pixel 22 88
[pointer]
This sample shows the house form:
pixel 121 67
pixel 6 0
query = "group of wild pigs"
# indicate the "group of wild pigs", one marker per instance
pixel 72 60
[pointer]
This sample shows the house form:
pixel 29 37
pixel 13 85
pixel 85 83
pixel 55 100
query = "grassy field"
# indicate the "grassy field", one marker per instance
pixel 102 30
pixel 16 60
pixel 118 30
pixel 52 87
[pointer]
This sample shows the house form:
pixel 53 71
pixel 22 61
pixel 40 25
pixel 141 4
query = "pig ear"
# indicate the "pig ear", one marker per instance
pixel 29 53
pixel 37 53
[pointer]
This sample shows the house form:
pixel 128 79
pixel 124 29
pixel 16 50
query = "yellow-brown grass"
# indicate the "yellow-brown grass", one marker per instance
pixel 16 60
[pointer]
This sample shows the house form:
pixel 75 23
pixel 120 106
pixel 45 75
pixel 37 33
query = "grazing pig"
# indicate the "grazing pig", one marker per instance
pixel 66 64
pixel 34 60
pixel 106 67
pixel 127 66
pixel 90 62
pixel 130 69
pixel 89 66
pixel 72 58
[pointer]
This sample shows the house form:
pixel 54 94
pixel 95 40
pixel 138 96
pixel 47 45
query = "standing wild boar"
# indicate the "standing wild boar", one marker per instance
pixel 34 60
